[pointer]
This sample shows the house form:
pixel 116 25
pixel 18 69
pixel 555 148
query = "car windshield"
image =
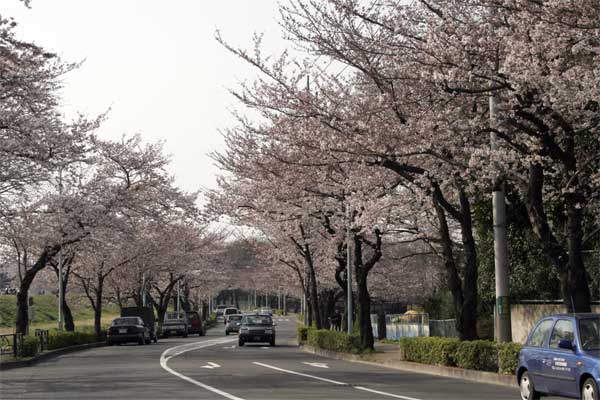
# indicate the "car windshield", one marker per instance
pixel 257 320
pixel 589 333
pixel 235 317
pixel 173 316
pixel 125 321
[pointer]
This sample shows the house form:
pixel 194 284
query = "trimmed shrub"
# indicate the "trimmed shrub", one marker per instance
pixel 30 346
pixel 480 355
pixel 508 357
pixel 302 333
pixel 429 350
pixel 332 340
pixel 58 340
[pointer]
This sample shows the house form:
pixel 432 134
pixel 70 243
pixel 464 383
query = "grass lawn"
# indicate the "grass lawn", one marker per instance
pixel 45 313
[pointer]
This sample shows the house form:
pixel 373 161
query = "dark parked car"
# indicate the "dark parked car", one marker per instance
pixel 195 323
pixel 175 324
pixel 257 328
pixel 147 315
pixel 561 357
pixel 128 329
pixel 233 323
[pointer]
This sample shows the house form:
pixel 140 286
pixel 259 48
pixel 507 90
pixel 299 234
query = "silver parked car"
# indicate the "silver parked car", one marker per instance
pixel 233 323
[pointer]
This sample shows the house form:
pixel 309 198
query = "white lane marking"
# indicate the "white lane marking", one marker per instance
pixel 301 374
pixel 229 347
pixel 199 345
pixel 315 364
pixel 265 347
pixel 211 365
pixel 336 382
pixel 396 396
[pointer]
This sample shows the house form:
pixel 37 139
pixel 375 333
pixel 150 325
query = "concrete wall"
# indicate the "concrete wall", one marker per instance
pixel 524 316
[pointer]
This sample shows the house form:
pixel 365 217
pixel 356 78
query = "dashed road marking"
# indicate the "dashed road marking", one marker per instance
pixel 316 364
pixel 396 396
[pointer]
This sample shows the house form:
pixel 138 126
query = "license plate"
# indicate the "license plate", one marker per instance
pixel 173 331
pixel 256 337
pixel 122 330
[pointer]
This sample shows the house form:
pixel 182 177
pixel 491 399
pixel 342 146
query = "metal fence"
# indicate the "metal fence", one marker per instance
pixel 406 325
pixel 443 327
pixel 11 345
pixel 42 335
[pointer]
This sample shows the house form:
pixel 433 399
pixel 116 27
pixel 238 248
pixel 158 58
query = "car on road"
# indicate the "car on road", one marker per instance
pixel 195 323
pixel 219 311
pixel 257 328
pixel 229 311
pixel 266 310
pixel 175 324
pixel 561 357
pixel 128 329
pixel 147 315
pixel 233 323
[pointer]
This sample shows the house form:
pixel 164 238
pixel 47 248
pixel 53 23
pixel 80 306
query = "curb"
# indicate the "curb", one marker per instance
pixel 48 355
pixel 379 359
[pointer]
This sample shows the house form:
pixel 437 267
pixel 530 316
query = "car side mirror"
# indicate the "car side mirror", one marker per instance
pixel 274 324
pixel 565 344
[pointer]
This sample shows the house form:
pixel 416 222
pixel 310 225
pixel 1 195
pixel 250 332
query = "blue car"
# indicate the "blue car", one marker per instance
pixel 561 357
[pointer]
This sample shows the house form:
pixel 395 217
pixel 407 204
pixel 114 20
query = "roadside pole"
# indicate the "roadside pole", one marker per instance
pixel 349 275
pixel 178 294
pixel 502 314
pixel 144 289
pixel 60 264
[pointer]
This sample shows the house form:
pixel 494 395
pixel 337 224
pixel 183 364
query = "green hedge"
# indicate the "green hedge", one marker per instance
pixel 30 346
pixel 508 357
pixel 302 333
pixel 58 340
pixel 332 340
pixel 481 355
pixel 429 350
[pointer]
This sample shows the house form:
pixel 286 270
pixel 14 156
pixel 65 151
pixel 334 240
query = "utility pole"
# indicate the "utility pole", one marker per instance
pixel 61 294
pixel 502 315
pixel 178 294
pixel 349 274
pixel 144 289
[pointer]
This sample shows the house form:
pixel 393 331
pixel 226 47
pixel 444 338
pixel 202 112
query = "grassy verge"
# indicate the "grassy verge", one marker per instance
pixel 45 313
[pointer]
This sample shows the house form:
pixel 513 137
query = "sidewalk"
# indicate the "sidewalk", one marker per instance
pixel 389 356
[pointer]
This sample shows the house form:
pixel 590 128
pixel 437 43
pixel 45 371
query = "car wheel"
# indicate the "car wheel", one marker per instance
pixel 185 335
pixel 527 389
pixel 589 390
pixel 241 343
pixel 272 342
pixel 226 333
pixel 149 340
pixel 155 339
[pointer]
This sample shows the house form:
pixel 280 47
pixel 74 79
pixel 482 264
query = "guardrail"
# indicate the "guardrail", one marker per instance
pixel 11 344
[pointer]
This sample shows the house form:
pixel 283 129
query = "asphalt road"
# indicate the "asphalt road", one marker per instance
pixel 213 367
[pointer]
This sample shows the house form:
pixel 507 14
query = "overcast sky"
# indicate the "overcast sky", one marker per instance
pixel 156 64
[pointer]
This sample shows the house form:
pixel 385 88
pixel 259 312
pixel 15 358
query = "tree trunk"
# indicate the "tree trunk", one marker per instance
pixel 98 308
pixel 22 306
pixel 68 316
pixel 363 301
pixel 569 264
pixel 465 323
pixel 469 306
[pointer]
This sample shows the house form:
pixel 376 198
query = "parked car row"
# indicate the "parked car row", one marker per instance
pixel 137 324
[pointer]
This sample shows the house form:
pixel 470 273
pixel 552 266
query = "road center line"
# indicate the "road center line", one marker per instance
pixel 335 382
pixel 397 396
pixel 301 374
pixel 195 346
